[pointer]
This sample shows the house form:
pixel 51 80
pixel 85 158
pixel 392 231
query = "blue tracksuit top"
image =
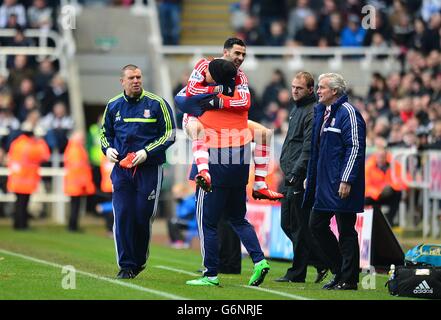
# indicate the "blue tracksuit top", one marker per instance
pixel 337 155
pixel 132 124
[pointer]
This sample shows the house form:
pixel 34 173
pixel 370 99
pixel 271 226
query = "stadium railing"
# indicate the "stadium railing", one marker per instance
pixel 422 172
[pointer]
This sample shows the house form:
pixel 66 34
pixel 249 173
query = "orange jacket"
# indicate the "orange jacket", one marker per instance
pixel 377 180
pixel 24 159
pixel 226 127
pixel 78 180
pixel 106 168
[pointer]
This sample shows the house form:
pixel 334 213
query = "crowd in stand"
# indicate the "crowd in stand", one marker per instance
pixel 402 108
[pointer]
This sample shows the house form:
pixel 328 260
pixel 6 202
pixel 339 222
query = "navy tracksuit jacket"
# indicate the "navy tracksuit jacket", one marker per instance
pixel 229 169
pixel 129 125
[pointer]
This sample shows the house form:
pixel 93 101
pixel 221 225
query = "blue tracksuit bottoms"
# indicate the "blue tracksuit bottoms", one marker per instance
pixel 209 208
pixel 135 200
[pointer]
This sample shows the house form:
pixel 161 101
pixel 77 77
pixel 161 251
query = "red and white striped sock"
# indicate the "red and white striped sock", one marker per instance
pixel 261 164
pixel 200 153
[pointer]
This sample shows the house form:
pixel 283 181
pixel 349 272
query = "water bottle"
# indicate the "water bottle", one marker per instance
pixel 392 272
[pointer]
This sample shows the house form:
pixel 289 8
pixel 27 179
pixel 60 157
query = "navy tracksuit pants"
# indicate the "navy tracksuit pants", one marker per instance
pixel 232 202
pixel 135 200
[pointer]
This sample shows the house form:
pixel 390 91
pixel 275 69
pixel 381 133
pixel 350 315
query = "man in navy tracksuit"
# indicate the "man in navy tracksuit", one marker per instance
pixel 229 170
pixel 335 181
pixel 137 128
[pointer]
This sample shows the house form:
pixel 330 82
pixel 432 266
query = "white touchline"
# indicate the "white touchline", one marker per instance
pixel 178 270
pixel 284 294
pixel 88 274
pixel 293 296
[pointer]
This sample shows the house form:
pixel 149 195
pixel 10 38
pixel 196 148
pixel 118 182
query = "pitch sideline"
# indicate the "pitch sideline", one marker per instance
pixel 95 276
pixel 280 293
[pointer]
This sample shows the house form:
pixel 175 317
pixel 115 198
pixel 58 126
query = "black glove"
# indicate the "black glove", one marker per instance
pixel 290 180
pixel 228 88
pixel 211 103
pixel 294 181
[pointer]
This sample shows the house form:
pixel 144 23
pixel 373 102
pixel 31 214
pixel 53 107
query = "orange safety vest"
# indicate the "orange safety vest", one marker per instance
pixel 24 159
pixel 377 179
pixel 78 180
pixel 106 168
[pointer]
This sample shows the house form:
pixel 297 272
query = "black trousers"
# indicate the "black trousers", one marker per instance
pixel 295 224
pixel 75 203
pixel 230 255
pixel 343 255
pixel 21 211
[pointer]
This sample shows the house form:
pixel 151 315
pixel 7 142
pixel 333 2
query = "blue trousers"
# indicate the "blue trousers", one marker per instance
pixel 209 209
pixel 135 200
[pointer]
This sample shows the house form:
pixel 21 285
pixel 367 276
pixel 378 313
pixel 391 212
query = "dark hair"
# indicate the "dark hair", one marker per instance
pixel 230 42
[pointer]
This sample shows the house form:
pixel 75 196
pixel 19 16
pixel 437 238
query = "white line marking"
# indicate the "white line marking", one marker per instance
pixel 292 296
pixel 284 294
pixel 178 270
pixel 118 282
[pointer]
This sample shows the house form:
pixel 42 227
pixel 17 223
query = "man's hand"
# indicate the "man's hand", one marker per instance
pixel 344 190
pixel 112 155
pixel 141 156
pixel 228 88
pixel 211 103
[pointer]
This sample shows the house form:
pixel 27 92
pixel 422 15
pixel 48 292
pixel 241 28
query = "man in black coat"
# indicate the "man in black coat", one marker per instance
pixel 294 162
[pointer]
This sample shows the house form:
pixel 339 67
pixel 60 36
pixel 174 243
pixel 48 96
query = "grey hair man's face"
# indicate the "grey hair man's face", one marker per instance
pixel 325 94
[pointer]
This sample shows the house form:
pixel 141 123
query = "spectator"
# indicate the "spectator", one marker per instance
pixel 11 7
pixel 383 187
pixel 431 37
pixel 58 125
pixel 328 9
pixel 78 181
pixel 26 89
pixel 19 40
pixel 57 91
pixel 309 35
pixel 271 91
pixel 435 142
pixel 381 27
pixel 185 218
pixel 239 12
pixel 277 37
pixel 26 153
pixel 250 33
pixel 19 72
pixel 8 122
pixel 297 17
pixel 271 10
pixel 40 15
pixel 43 77
pixel 170 20
pixel 332 34
pixel 429 8
pixel 352 35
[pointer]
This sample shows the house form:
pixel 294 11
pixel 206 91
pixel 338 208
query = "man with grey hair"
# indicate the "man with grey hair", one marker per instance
pixel 335 181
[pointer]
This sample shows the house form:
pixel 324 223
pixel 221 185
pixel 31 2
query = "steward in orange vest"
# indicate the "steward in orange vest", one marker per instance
pixel 25 156
pixel 78 181
pixel 381 188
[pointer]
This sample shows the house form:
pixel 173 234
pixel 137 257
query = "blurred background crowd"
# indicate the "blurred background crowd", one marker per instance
pixel 401 109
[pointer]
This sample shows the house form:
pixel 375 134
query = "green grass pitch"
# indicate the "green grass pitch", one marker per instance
pixel 32 265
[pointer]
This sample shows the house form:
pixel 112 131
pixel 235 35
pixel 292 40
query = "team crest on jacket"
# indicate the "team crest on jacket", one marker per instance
pixel 146 113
